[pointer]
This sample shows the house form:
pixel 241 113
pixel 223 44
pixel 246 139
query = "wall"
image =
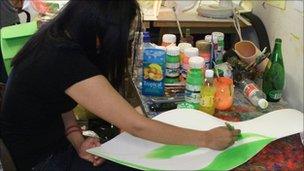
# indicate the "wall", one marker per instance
pixel 288 25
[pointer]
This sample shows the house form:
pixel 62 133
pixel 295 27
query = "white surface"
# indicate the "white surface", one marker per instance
pixel 298 5
pixel 125 147
pixel 288 25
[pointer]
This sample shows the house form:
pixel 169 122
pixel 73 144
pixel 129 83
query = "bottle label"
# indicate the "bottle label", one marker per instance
pixel 250 89
pixel 172 72
pixel 172 65
pixel 220 45
pixel 275 94
pixel 192 93
pixel 207 101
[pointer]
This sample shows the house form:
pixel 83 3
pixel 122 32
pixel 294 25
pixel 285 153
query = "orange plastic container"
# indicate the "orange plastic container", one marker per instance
pixel 224 93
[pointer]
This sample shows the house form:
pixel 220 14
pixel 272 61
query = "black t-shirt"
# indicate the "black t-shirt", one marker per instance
pixel 30 121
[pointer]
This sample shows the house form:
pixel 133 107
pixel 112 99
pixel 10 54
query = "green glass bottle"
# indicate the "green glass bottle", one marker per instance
pixel 274 75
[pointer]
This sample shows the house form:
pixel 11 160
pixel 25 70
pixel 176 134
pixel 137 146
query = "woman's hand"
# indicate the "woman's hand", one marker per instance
pixel 221 137
pixel 90 143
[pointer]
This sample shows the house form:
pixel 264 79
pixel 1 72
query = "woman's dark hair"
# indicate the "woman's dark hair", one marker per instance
pixel 81 21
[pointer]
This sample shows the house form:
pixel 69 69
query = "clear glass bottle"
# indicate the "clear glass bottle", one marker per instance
pixel 188 37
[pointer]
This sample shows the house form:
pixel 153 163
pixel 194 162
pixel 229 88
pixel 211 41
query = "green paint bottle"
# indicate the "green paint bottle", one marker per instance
pixel 172 65
pixel 274 75
pixel 194 81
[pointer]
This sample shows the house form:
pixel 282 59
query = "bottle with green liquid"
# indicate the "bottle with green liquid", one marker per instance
pixel 194 81
pixel 274 75
pixel 207 104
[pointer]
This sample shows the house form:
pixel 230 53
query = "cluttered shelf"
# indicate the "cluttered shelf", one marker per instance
pixel 165 17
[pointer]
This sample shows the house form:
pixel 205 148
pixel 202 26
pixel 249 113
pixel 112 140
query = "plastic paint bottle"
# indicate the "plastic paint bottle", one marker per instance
pixel 172 65
pixel 204 48
pixel 189 52
pixel 194 81
pixel 218 47
pixel 168 39
pixel 182 47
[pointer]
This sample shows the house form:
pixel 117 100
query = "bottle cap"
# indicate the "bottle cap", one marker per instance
pixel 173 50
pixel 263 104
pixel 203 45
pixel 208 38
pixel 169 38
pixel 216 36
pixel 209 73
pixel 183 46
pixel 191 51
pixel 196 62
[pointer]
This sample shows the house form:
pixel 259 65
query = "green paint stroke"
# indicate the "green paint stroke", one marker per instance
pixel 236 156
pixel 243 136
pixel 169 151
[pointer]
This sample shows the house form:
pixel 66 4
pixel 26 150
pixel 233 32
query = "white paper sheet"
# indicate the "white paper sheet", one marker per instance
pixel 142 154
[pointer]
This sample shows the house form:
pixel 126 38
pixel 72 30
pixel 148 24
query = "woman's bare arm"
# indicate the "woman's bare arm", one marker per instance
pixel 98 96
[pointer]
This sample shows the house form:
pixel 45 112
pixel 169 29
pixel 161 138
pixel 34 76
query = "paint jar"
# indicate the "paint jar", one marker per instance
pixel 182 47
pixel 194 81
pixel 224 93
pixel 218 47
pixel 189 52
pixel 168 39
pixel 204 48
pixel 172 65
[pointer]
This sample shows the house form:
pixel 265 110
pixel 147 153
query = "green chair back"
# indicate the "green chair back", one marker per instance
pixel 13 39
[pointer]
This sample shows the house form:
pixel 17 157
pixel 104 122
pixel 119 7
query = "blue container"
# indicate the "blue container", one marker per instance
pixel 154 64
